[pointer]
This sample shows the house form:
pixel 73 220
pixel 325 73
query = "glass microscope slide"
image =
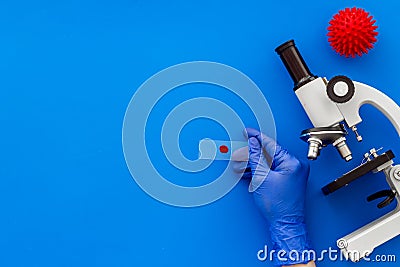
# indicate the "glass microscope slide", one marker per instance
pixel 223 150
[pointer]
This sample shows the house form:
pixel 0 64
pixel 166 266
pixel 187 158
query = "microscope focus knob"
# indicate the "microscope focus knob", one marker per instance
pixel 340 89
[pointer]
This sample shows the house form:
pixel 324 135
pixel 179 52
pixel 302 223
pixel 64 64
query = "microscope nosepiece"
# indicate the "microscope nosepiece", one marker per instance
pixel 323 136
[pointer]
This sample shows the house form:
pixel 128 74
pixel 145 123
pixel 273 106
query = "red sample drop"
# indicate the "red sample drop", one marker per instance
pixel 352 32
pixel 223 149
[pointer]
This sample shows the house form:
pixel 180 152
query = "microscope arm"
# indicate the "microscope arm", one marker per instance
pixel 363 241
pixel 365 94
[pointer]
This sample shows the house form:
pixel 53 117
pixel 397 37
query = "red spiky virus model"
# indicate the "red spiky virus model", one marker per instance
pixel 352 32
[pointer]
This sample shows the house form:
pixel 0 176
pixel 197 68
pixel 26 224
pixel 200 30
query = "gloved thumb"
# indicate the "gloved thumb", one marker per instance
pixel 258 164
pixel 269 144
pixel 255 150
pixel 277 156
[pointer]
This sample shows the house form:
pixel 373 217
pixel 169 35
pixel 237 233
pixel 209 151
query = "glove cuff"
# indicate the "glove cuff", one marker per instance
pixel 290 242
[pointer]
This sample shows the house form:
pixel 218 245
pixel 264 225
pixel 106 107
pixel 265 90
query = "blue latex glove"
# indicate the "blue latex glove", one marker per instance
pixel 279 193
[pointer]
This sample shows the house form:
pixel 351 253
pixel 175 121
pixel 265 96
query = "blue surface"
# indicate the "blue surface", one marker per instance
pixel 67 72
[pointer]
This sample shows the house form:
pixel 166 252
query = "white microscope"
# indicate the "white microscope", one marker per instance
pixel 332 106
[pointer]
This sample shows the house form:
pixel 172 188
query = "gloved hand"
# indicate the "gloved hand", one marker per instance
pixel 279 193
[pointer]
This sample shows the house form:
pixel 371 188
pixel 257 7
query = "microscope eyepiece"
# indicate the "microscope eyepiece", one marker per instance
pixel 294 64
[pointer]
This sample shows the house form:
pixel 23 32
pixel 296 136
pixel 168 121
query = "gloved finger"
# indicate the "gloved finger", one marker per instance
pixel 242 167
pixel 240 162
pixel 281 159
pixel 240 154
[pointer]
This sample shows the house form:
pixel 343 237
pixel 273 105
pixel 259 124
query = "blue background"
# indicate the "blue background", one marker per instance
pixel 67 72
